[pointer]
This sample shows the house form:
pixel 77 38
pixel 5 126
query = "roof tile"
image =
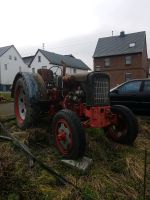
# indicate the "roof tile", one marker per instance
pixel 118 45
pixel 70 61
pixel 4 49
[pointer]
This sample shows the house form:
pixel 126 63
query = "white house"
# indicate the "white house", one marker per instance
pixel 27 60
pixel 10 64
pixel 44 59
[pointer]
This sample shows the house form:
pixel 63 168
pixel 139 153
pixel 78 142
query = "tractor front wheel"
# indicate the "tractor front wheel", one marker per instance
pixel 69 134
pixel 125 129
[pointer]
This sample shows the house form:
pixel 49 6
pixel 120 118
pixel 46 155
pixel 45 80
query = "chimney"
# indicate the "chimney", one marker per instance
pixel 122 34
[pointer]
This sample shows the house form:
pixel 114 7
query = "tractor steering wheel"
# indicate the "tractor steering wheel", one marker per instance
pixel 57 68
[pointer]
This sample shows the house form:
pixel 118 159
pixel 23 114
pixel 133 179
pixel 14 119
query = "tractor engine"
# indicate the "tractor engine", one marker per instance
pixel 77 92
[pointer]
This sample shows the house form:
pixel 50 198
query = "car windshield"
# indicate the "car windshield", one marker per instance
pixel 130 87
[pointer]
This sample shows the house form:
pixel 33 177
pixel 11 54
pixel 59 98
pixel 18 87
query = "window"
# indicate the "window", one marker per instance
pixel 131 87
pixel 128 76
pixel 74 70
pixel 146 86
pixel 39 58
pixel 10 57
pixel 15 58
pixel 19 68
pixel 97 68
pixel 132 45
pixel 5 66
pixel 128 60
pixel 44 67
pixel 107 62
pixel 33 70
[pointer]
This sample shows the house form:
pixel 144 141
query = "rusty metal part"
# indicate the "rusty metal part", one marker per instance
pixel 41 86
pixel 47 75
pixel 99 117
pixel 76 77
pixel 64 68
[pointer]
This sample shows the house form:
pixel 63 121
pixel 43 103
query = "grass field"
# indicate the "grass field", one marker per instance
pixel 116 173
pixel 5 96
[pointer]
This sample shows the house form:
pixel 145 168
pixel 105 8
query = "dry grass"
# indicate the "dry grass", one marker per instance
pixel 116 173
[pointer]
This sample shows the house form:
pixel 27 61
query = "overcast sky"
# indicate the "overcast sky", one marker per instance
pixel 70 26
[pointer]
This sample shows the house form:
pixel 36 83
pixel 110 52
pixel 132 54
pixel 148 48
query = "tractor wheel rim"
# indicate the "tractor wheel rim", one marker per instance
pixel 119 130
pixel 116 134
pixel 64 137
pixel 21 105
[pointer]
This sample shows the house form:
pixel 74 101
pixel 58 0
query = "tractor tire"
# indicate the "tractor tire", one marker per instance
pixel 69 134
pixel 24 112
pixel 126 129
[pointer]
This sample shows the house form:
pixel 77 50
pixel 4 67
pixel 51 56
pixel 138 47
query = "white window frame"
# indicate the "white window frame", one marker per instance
pixel 107 62
pixel 128 60
pixel 5 67
pixel 128 76
pixel 74 70
pixel 20 69
pixel 39 58
pixel 33 70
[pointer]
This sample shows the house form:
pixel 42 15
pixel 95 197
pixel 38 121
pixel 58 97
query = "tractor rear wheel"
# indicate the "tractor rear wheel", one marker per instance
pixel 25 113
pixel 69 134
pixel 125 129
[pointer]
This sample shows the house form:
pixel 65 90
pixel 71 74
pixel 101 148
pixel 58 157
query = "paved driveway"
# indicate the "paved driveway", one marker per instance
pixel 6 109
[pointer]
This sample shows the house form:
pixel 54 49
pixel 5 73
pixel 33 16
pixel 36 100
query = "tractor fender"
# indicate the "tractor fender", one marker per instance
pixel 35 85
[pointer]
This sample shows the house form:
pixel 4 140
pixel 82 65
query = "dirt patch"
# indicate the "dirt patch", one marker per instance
pixel 6 109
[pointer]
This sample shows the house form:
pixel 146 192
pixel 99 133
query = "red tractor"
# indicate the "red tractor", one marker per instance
pixel 74 102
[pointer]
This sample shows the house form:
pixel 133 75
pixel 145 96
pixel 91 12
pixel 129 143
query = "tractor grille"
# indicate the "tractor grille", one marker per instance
pixel 100 91
pixel 97 90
